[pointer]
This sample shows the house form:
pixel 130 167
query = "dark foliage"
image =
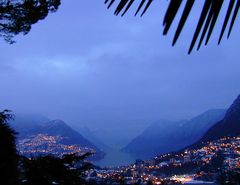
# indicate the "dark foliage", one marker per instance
pixel 18 16
pixel 229 178
pixel 8 153
pixel 47 170
pixel 207 20
pixel 149 183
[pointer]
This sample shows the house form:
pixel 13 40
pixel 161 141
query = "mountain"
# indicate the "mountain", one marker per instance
pixel 147 144
pixel 165 136
pixel 89 135
pixel 117 134
pixel 195 128
pixel 228 126
pixel 22 123
pixel 33 127
pixel 58 127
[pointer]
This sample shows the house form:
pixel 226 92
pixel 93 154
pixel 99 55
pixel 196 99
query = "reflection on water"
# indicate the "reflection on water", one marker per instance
pixel 115 158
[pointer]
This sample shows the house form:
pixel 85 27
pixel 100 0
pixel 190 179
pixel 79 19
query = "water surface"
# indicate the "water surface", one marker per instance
pixel 114 158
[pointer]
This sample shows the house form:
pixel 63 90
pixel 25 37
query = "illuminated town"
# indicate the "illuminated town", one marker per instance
pixel 202 165
pixel 44 144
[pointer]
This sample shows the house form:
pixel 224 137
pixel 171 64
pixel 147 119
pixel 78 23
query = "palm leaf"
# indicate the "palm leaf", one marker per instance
pixel 206 23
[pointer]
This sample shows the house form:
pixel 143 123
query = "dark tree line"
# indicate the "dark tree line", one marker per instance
pixel 229 178
pixel 8 152
pixel 48 170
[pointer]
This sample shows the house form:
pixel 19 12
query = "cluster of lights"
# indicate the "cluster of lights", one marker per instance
pixel 145 170
pixel 44 144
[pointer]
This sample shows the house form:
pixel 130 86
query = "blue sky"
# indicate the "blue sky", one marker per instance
pixel 86 66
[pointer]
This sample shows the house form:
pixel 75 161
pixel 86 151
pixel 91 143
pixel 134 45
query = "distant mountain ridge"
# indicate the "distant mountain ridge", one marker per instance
pixel 228 126
pixel 58 127
pixel 33 126
pixel 25 122
pixel 165 136
pixel 87 133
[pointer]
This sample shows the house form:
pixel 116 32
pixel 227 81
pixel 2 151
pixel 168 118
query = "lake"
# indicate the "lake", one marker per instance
pixel 114 158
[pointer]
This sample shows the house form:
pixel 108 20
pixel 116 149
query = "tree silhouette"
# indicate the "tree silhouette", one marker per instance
pixel 42 170
pixel 149 182
pixel 18 16
pixel 48 170
pixel 229 178
pixel 8 152
pixel 206 24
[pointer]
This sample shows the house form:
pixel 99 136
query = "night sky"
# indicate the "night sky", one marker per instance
pixel 86 66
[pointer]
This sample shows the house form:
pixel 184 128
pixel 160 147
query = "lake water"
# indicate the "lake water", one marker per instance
pixel 115 158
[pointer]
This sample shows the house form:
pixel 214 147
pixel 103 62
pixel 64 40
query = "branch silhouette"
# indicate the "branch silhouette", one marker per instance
pixel 18 16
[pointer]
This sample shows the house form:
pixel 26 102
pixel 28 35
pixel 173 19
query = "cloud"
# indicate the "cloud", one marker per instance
pixel 96 68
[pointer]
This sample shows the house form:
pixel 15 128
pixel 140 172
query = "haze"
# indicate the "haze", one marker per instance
pixel 87 67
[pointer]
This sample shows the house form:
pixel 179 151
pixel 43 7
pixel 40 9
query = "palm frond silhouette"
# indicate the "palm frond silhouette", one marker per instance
pixel 206 23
